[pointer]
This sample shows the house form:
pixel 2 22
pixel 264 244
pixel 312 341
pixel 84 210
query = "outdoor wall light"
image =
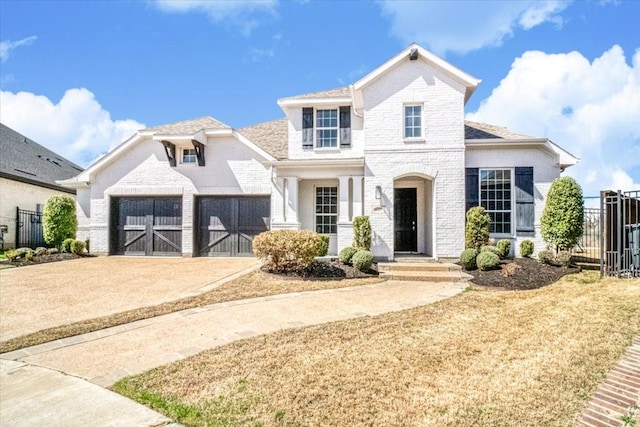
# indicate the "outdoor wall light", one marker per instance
pixel 378 192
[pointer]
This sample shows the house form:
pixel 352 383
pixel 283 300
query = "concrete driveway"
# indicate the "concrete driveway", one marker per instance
pixel 46 295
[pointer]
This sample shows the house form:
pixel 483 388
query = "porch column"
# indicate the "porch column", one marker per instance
pixel 357 195
pixel 291 212
pixel 278 200
pixel 343 210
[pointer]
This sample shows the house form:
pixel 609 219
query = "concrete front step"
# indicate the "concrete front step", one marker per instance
pixel 415 266
pixel 427 276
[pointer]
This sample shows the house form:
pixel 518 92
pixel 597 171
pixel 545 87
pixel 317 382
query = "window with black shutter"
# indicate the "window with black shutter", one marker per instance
pixel 525 202
pixel 345 127
pixel 307 128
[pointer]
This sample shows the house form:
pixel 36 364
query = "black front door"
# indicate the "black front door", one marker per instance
pixel 405 217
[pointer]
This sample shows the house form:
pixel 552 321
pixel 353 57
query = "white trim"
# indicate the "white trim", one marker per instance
pixel 565 158
pixel 325 163
pixel 421 137
pixel 312 102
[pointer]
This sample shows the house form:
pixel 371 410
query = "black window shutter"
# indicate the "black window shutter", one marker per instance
pixel 472 189
pixel 307 127
pixel 525 203
pixel 345 127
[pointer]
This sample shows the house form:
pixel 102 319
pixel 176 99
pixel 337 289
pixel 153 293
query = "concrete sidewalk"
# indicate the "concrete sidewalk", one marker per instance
pixel 105 356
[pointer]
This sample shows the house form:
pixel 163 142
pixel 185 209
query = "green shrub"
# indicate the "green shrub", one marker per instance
pixel 53 251
pixel 487 260
pixel 563 215
pixel 504 246
pixel 324 245
pixel 545 256
pixel 476 232
pixel 28 255
pixel 77 247
pixel 22 252
pixel 362 260
pixel 287 250
pixel 346 254
pixel 11 255
pixel 492 249
pixel 564 258
pixel 65 247
pixel 59 220
pixel 41 251
pixel 468 259
pixel 526 248
pixel 362 233
pixel 86 245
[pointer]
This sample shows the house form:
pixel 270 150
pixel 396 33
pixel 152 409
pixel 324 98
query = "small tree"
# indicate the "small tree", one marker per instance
pixel 477 228
pixel 59 220
pixel 563 216
pixel 362 233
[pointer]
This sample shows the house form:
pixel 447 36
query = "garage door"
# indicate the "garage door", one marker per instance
pixel 146 226
pixel 227 225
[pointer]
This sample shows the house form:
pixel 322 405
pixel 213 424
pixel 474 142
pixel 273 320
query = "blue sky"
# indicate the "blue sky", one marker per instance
pixel 80 77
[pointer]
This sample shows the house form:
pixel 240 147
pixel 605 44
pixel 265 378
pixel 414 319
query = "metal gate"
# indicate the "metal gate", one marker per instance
pixel 620 233
pixel 588 247
pixel 29 233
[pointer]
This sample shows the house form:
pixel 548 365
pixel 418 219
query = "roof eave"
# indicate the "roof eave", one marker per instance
pixel 304 102
pixel 331 163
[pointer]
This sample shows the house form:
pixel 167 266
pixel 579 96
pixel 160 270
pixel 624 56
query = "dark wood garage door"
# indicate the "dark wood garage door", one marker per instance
pixel 227 225
pixel 146 226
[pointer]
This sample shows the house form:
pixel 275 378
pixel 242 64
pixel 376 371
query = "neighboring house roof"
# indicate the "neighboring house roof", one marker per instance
pixel 25 160
pixel 187 126
pixel 271 136
pixel 475 130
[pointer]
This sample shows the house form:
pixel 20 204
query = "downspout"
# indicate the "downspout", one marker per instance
pixel 353 98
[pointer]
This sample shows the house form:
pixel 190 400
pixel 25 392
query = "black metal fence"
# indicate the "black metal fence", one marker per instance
pixel 29 232
pixel 588 248
pixel 620 233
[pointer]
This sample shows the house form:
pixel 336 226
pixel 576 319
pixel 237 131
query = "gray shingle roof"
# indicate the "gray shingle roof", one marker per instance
pixel 340 92
pixel 25 160
pixel 187 127
pixel 475 130
pixel 271 136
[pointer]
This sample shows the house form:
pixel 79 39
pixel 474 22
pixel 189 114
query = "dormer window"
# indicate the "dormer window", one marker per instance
pixel 189 155
pixel 332 126
pixel 412 121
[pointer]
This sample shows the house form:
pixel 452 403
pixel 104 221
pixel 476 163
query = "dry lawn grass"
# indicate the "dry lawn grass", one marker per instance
pixel 252 285
pixel 479 359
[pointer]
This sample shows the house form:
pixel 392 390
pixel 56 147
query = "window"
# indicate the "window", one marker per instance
pixel 188 155
pixel 326 210
pixel 412 121
pixel 326 128
pixel 495 198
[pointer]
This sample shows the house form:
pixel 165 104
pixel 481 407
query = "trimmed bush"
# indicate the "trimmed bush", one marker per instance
pixel 362 260
pixel 504 246
pixel 362 233
pixel 468 259
pixel 545 256
pixel 526 248
pixel 492 249
pixel 563 215
pixel 28 255
pixel 346 254
pixel 487 260
pixel 77 247
pixel 53 251
pixel 324 246
pixel 65 247
pixel 287 250
pixel 564 258
pixel 22 252
pixel 59 220
pixel 476 232
pixel 11 255
pixel 86 245
pixel 41 251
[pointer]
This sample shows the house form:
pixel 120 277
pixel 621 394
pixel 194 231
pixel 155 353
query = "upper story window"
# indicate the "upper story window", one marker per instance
pixel 189 155
pixel 326 128
pixel 413 121
pixel 332 126
pixel 495 198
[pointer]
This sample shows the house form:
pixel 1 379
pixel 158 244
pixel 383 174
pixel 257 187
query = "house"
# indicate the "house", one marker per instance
pixel 394 146
pixel 28 175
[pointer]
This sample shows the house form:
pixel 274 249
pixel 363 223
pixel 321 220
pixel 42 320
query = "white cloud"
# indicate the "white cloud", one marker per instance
pixel 7 46
pixel 243 15
pixel 592 109
pixel 77 127
pixel 463 26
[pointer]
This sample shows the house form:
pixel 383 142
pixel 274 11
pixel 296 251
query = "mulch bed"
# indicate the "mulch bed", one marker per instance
pixel 42 259
pixel 529 274
pixel 329 270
